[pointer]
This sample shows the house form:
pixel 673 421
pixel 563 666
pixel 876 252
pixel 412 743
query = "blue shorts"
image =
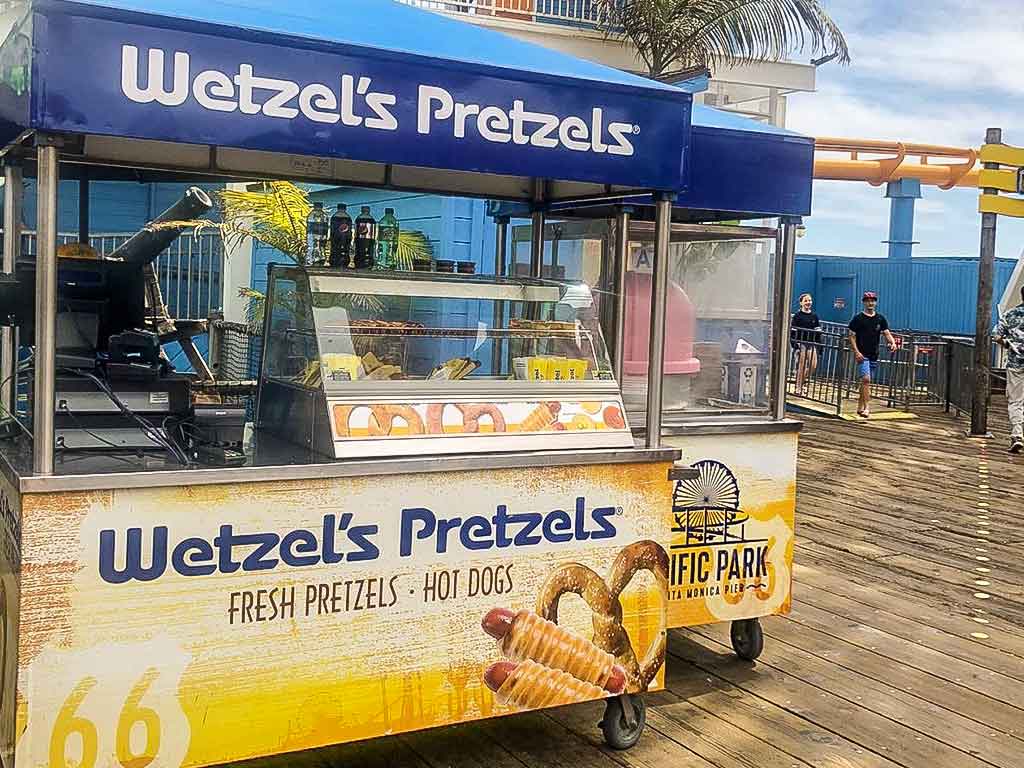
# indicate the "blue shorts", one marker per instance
pixel 867 368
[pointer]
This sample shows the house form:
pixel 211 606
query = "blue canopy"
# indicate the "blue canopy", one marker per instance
pixel 364 81
pixel 736 168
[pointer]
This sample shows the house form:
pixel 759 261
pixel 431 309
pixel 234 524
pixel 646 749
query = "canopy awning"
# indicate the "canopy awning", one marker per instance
pixel 737 168
pixel 369 92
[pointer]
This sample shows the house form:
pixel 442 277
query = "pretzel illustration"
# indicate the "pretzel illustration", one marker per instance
pixel 529 685
pixel 606 608
pixel 381 420
pixel 471 414
pixel 525 636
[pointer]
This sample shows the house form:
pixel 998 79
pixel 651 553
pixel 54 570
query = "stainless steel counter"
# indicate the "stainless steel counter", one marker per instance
pixel 274 460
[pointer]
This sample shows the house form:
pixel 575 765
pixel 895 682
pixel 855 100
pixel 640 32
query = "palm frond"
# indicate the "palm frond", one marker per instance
pixel 412 246
pixel 701 32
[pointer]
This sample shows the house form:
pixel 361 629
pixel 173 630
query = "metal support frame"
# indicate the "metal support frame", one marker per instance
pixel 983 320
pixel 621 229
pixel 659 301
pixel 500 270
pixel 83 207
pixel 46 307
pixel 13 193
pixel 537 232
pixel 785 256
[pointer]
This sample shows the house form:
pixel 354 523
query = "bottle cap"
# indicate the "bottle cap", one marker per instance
pixel 342 207
pixel 389 211
pixel 365 209
pixel 318 206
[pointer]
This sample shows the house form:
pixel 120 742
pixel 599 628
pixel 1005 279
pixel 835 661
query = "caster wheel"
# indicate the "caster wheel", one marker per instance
pixel 747 638
pixel 624 720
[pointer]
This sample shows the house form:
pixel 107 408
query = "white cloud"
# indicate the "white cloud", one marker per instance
pixel 968 46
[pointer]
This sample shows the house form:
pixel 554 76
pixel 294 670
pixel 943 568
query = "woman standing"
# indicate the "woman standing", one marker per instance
pixel 805 338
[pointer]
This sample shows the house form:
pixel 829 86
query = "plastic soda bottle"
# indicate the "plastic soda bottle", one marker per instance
pixel 387 241
pixel 341 238
pixel 316 234
pixel 366 239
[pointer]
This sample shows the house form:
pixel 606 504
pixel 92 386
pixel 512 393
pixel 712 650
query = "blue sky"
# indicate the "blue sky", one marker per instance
pixel 920 72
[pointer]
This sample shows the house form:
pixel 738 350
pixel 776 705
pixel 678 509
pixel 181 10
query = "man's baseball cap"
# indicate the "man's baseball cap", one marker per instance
pixel 869 295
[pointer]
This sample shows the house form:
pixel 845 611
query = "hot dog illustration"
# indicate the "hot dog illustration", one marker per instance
pixel 529 685
pixel 525 636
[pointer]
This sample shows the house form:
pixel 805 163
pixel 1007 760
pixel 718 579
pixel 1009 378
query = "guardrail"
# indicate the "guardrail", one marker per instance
pixel 568 12
pixel 925 370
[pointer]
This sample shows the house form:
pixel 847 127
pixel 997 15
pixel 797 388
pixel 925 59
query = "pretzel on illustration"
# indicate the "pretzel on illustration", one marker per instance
pixel 549 662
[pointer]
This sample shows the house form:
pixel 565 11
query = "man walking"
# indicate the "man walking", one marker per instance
pixel 1009 333
pixel 866 330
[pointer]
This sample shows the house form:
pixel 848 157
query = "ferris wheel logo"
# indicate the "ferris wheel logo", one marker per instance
pixel 707 507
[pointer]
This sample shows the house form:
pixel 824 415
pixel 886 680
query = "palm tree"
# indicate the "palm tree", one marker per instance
pixel 685 34
pixel 274 213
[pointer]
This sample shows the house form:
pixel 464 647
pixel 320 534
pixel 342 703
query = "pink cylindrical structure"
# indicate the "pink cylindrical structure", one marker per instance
pixel 679 328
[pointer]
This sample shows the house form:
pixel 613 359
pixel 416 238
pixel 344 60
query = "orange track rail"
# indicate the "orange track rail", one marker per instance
pixel 878 162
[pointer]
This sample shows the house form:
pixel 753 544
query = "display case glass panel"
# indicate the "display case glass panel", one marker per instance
pixel 427 355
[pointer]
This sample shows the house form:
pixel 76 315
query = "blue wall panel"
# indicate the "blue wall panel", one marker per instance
pixel 936 295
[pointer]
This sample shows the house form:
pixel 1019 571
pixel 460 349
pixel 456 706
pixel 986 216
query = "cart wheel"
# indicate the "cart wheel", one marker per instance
pixel 624 720
pixel 747 638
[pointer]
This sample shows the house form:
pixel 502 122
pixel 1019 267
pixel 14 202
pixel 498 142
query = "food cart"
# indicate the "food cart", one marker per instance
pixel 405 545
pixel 725 363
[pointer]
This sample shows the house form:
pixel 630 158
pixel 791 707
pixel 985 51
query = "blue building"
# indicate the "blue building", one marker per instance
pixel 928 294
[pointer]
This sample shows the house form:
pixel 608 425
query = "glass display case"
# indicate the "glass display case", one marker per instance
pixel 395 363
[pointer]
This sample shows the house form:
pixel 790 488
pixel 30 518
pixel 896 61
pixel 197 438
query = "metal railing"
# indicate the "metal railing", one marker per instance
pixel 190 270
pixel 924 371
pixel 568 12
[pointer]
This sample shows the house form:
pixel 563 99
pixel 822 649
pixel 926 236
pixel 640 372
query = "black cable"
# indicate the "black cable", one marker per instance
pixel 147 429
pixel 64 409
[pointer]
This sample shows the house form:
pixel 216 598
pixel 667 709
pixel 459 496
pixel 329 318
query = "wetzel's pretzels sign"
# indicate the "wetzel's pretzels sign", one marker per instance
pixel 201 625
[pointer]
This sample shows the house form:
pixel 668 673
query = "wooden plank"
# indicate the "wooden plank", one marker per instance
pixel 536 740
pixel 652 751
pixel 937 592
pixel 928 544
pixel 459 746
pixel 948 695
pixel 788 732
pixel 1002 635
pixel 919 711
pixel 860 725
pixel 993 684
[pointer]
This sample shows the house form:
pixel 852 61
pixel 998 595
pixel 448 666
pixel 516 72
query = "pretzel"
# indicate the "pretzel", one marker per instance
pixel 606 607
pixel 529 685
pixel 651 557
pixel 525 636
pixel 471 413
pixel 471 416
pixel 382 419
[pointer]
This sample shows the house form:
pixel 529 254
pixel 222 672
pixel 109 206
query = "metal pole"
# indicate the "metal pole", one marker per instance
pixel 46 309
pixel 537 230
pixel 785 253
pixel 501 247
pixel 659 298
pixel 537 244
pixel 83 207
pixel 983 321
pixel 621 263
pixel 13 192
pixel 500 270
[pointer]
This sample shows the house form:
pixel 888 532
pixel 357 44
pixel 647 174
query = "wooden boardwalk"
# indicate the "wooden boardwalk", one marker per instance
pixel 905 646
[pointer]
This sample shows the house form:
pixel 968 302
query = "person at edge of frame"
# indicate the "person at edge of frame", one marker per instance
pixel 1009 334
pixel 866 330
pixel 805 339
